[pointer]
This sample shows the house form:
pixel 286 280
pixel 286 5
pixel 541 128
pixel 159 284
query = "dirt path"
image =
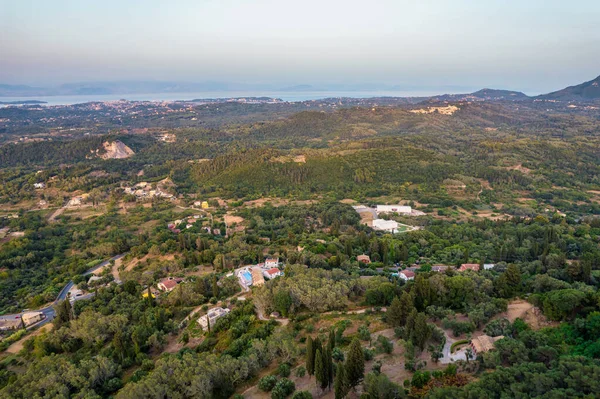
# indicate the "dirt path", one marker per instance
pixel 17 346
pixel 56 213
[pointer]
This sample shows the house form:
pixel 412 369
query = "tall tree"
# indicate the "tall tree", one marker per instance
pixel 331 341
pixel 394 313
pixel 340 387
pixel 421 331
pixel 329 363
pixel 310 356
pixel 355 363
pixel 321 373
pixel 64 313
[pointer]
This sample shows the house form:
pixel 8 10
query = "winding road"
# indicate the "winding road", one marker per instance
pixel 49 311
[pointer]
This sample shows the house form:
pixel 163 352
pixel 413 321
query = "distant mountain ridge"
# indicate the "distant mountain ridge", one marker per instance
pixel 483 95
pixel 584 91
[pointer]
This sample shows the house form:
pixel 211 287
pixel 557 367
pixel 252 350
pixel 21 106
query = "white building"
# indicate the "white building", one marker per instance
pixel 400 209
pixel 488 266
pixel 272 273
pixel 212 316
pixel 406 275
pixel 385 225
pixel 39 185
pixel 30 318
pixel 271 262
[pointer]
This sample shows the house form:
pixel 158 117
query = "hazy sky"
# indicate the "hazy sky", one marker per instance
pixel 530 45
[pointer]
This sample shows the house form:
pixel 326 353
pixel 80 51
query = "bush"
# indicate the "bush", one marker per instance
pixel 302 395
pixel 267 383
pixel 368 353
pixel 284 370
pixel 283 389
pixel 363 333
pixel 384 344
pixel 458 343
pixel 498 327
pixel 458 327
pixel 420 379
pixel 300 372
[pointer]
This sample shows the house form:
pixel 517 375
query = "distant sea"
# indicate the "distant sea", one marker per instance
pixel 284 95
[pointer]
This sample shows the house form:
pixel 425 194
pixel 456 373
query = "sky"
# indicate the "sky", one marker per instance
pixel 534 46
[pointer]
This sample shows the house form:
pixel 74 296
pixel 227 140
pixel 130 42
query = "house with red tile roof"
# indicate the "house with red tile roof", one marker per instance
pixel 469 266
pixel 168 284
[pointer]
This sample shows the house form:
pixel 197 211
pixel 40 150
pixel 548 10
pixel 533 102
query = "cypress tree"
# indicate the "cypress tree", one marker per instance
pixel 331 342
pixel 310 356
pixel 321 373
pixel 355 364
pixel 406 306
pixel 329 361
pixel 340 387
pixel 421 331
pixel 394 313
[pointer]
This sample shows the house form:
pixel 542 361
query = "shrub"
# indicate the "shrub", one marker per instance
pixel 267 383
pixel 300 372
pixel 384 344
pixel 368 354
pixel 284 370
pixel 302 395
pixel 363 333
pixel 283 389
pixel 458 343
pixel 458 327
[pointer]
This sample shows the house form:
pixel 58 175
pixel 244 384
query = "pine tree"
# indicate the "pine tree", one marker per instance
pixel 310 356
pixel 340 386
pixel 355 364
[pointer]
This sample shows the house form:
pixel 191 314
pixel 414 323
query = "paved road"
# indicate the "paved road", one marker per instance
pixel 49 311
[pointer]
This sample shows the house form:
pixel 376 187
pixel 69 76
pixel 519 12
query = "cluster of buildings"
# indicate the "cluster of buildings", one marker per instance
pixel 144 190
pixel 409 273
pixel 25 320
pixel 201 204
pixel 382 224
pixel 174 226
pixel 255 275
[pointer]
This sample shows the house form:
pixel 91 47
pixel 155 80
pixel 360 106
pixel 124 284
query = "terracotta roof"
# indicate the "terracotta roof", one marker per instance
pixel 484 343
pixel 408 273
pixel 170 283
pixel 272 271
pixel 469 266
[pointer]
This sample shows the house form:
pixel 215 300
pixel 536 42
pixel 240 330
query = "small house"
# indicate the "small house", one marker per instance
pixel 439 268
pixel 271 262
pixel 483 343
pixel 363 259
pixel 169 284
pixel 469 266
pixel 407 275
pixel 272 273
pixel 212 316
